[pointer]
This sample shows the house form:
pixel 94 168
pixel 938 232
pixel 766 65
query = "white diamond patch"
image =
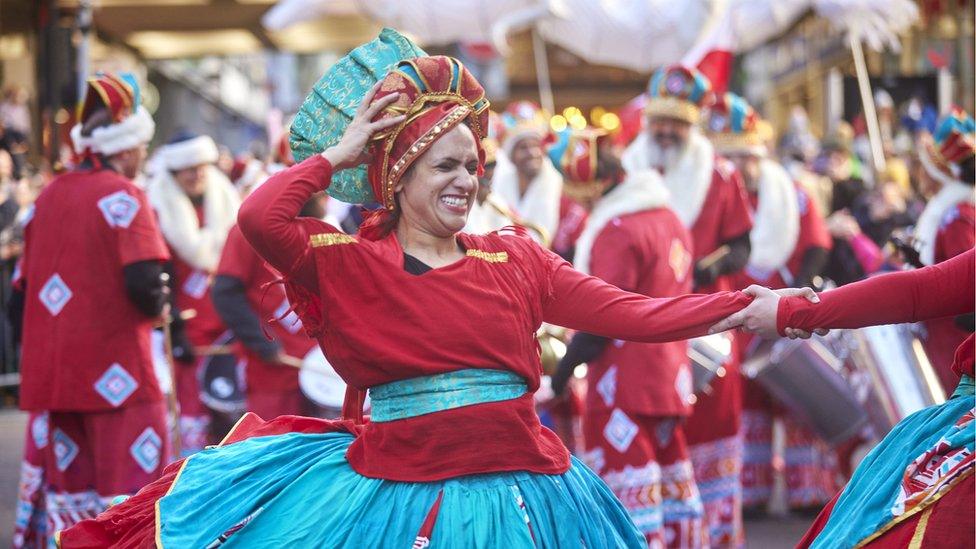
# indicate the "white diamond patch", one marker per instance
pixel 55 294
pixel 65 450
pixel 620 430
pixel 196 284
pixel 116 385
pixel 119 209
pixel 607 386
pixel 147 450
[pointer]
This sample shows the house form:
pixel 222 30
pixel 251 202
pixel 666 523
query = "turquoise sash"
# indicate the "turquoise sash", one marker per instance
pixel 426 395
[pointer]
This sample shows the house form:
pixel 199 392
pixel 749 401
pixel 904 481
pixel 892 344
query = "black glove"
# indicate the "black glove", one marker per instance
pixel 708 275
pixel 560 378
pixel 182 348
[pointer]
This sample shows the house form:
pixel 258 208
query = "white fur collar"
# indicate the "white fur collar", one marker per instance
pixel 688 180
pixel 540 204
pixel 777 220
pixel 641 190
pixel 198 246
pixel 952 193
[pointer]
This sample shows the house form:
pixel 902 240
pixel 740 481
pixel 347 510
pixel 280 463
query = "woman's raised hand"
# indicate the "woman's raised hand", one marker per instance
pixel 350 151
pixel 759 317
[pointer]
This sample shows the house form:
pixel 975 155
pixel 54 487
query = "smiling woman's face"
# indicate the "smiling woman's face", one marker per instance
pixel 436 193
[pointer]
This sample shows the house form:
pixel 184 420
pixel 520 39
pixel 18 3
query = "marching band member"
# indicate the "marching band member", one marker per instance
pixel 947 226
pixel 244 296
pixel 196 205
pixel 638 394
pixel 789 247
pixel 708 197
pixel 526 180
pixel 916 487
pixel 91 289
pixel 438 325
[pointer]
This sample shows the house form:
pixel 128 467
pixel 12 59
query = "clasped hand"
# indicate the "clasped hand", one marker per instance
pixel 759 317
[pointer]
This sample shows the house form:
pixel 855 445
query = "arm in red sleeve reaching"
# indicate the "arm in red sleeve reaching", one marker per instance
pixel 944 289
pixel 591 305
pixel 941 290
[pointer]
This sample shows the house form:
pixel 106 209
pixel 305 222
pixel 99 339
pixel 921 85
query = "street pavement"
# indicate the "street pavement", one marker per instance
pixel 770 533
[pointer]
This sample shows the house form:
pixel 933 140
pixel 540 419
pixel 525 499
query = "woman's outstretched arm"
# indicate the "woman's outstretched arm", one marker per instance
pixel 591 305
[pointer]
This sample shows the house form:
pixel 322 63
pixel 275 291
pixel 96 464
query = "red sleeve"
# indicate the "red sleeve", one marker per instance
pixel 139 238
pixel 945 289
pixel 589 304
pixel 237 258
pixel 957 237
pixel 269 220
pixel 736 219
pixel 613 258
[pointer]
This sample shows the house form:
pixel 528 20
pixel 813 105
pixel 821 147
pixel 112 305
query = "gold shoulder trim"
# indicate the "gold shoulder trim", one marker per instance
pixel 490 257
pixel 330 239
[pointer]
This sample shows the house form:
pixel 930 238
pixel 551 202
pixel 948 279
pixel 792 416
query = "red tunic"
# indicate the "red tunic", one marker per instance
pixel 381 324
pixel 957 234
pixel 724 216
pixel 942 290
pixel 647 253
pixel 813 234
pixel 239 260
pixel 192 287
pixel 86 346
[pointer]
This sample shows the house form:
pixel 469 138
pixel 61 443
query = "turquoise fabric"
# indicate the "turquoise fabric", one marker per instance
pixel 297 490
pixel 327 111
pixel 865 504
pixel 425 395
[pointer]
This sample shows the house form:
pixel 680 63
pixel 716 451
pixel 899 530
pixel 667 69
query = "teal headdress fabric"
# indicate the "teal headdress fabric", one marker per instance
pixel 328 110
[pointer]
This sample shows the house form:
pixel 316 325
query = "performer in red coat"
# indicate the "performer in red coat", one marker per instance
pixel 197 206
pixel 438 325
pixel 245 296
pixel 92 289
pixel 947 226
pixel 526 180
pixel 789 247
pixel 708 196
pixel 638 394
pixel 916 487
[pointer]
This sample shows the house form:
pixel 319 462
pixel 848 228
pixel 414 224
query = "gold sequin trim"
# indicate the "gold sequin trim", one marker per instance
pixel 490 257
pixel 330 239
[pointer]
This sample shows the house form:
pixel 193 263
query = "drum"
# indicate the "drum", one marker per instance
pixel 901 379
pixel 708 355
pixel 808 377
pixel 321 384
pixel 222 380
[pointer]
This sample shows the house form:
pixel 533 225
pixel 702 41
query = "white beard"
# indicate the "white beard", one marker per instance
pixel 687 170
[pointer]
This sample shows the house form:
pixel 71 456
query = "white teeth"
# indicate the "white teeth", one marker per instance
pixel 454 201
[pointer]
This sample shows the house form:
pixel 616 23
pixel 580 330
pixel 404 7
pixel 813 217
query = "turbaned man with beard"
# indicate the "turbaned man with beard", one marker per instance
pixel 709 198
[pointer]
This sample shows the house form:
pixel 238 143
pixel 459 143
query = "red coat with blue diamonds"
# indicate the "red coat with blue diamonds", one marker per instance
pixel 85 345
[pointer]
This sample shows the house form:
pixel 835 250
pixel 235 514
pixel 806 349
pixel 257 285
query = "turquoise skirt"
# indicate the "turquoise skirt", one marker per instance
pixel 298 490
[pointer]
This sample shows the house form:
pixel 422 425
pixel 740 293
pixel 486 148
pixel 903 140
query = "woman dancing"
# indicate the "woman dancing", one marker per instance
pixel 916 487
pixel 440 327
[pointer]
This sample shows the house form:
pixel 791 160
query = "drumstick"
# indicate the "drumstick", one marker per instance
pixel 174 405
pixel 212 350
pixel 296 363
pixel 714 257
